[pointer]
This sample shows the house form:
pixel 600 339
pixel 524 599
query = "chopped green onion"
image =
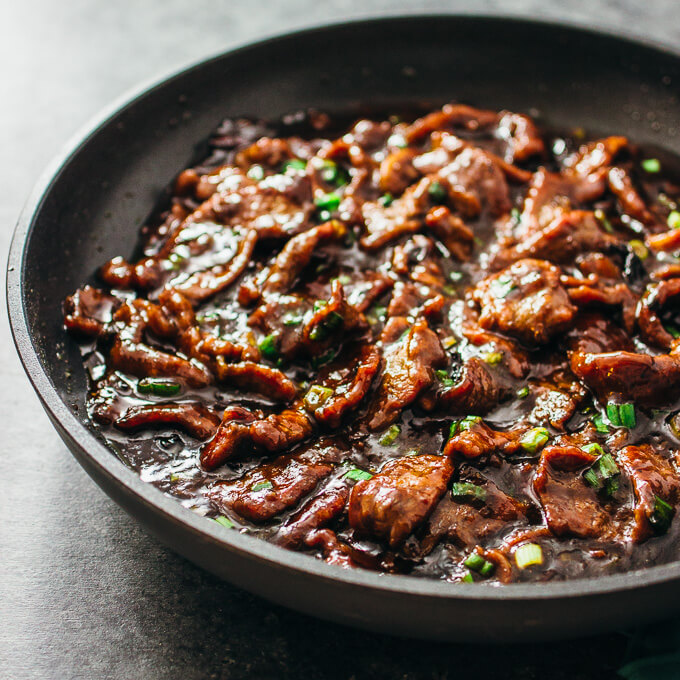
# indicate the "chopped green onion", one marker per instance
pixel 674 219
pixel 502 286
pixel 593 448
pixel 468 578
pixel 261 486
pixel 591 478
pixel 386 200
pixel 488 568
pixel 256 173
pixel 294 163
pixel 603 471
pixel 613 414
pixel 176 259
pixel 324 358
pixel 412 452
pixel 292 320
pixel 319 304
pixel 161 388
pixel 317 396
pixel 332 173
pixel 602 219
pixel 456 277
pixel 627 415
pixel 515 214
pixel 534 439
pixel 667 202
pixel 474 562
pixel 523 392
pixel 390 436
pixel 600 425
pixel 268 347
pixel 607 465
pixel 397 140
pixel 329 202
pixel 357 475
pixel 444 378
pixel 672 330
pixel 224 521
pixel 528 554
pixel 466 489
pixel 467 423
pixel 321 331
pixel 448 343
pixel 493 358
pixel 611 485
pixel 662 515
pixel 651 165
pixel 639 248
pixel 437 192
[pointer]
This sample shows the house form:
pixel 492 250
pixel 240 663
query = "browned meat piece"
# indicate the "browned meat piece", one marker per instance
pixel 621 184
pixel 268 490
pixel 370 134
pixel 259 378
pixel 397 172
pixel 560 241
pixel 526 301
pixel 451 231
pixel 553 406
pixel 521 136
pixel 271 152
pixel 452 117
pixel 410 363
pixel 656 297
pixel 213 347
pixel 146 362
pixel 478 439
pixel 570 506
pixel 143 275
pixel 665 242
pixel 469 523
pixel 643 379
pixel 599 294
pixel 477 390
pixel 348 395
pixel 204 284
pixel 393 503
pixel 242 429
pixel 652 476
pixel 296 255
pixel 594 334
pixel 474 183
pixel 316 513
pixel 595 156
pixel 88 311
pixel 193 417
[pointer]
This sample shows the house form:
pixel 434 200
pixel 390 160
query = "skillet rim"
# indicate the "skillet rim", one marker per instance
pixel 101 457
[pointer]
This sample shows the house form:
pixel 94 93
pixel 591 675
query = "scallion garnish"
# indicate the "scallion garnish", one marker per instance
pixel 492 358
pixel 268 347
pixel 316 396
pixel 661 516
pixel 672 330
pixel 437 192
pixel 535 439
pixel 256 173
pixel 261 486
pixel 463 425
pixel 528 555
pixel 161 388
pixel 292 320
pixel 449 342
pixel 386 200
pixel 476 562
pixel 621 415
pixel 357 475
pixel 224 521
pixel 523 392
pixel 502 286
pixel 468 578
pixel 639 248
pixel 444 378
pixel 467 490
pixel 673 220
pixel 390 436
pixel 322 330
pixel 329 202
pixel 651 165
pixel 600 425
pixel 324 358
pixel 603 471
pixel 294 163
pixel 601 217
pixel 332 173
pixel 594 449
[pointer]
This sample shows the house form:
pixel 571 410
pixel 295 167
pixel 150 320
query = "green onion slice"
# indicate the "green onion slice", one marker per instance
pixel 224 521
pixel 317 396
pixel 329 324
pixel 600 425
pixel 268 347
pixel 161 388
pixel 651 165
pixel 467 490
pixel 535 439
pixel 260 486
pixel 386 200
pixel 502 286
pixel 294 163
pixel 390 436
pixel 492 358
pixel 437 192
pixel 674 219
pixel 468 578
pixel 357 474
pixel 329 202
pixel 661 516
pixel 467 423
pixel 523 392
pixel 528 555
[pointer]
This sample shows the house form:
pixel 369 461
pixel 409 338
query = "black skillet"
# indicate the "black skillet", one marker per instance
pixel 89 205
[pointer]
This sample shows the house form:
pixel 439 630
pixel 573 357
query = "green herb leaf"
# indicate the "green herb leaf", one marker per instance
pixel 661 516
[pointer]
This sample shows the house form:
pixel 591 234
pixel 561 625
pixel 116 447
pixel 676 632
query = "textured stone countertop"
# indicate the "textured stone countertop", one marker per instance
pixel 84 592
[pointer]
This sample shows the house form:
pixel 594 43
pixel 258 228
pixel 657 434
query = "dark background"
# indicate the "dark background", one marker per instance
pixel 84 593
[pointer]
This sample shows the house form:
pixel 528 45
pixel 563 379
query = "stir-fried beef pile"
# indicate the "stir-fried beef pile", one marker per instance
pixel 446 347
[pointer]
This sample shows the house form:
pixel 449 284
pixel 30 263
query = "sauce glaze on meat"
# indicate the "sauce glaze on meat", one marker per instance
pixel 445 346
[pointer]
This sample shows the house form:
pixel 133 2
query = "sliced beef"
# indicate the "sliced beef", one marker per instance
pixel 621 184
pixel 652 476
pixel 269 489
pixel 451 231
pixel 254 377
pixel 476 391
pixel 410 362
pixel 89 311
pixel 526 301
pixel 393 503
pixel 192 417
pixel 570 506
pixel 656 298
pixel 521 136
pixel 243 429
pixel 477 439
